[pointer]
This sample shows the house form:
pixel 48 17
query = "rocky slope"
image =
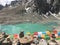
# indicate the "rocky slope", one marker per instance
pixel 12 15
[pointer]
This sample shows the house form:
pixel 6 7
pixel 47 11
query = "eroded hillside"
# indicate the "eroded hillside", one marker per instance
pixel 12 15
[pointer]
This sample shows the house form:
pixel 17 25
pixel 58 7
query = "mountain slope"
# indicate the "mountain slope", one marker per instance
pixel 12 15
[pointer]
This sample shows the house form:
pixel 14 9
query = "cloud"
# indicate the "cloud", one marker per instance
pixel 3 2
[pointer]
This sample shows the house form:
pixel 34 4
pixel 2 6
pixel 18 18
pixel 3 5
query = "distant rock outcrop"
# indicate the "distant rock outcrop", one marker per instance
pixel 1 7
pixel 13 3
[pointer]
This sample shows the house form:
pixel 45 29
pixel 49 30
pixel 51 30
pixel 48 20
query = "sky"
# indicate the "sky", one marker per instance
pixel 3 2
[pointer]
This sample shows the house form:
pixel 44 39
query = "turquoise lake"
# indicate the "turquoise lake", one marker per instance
pixel 27 27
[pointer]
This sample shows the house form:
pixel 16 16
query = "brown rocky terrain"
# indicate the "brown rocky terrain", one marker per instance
pixel 12 15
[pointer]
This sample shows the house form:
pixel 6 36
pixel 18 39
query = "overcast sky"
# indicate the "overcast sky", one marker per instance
pixel 3 2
